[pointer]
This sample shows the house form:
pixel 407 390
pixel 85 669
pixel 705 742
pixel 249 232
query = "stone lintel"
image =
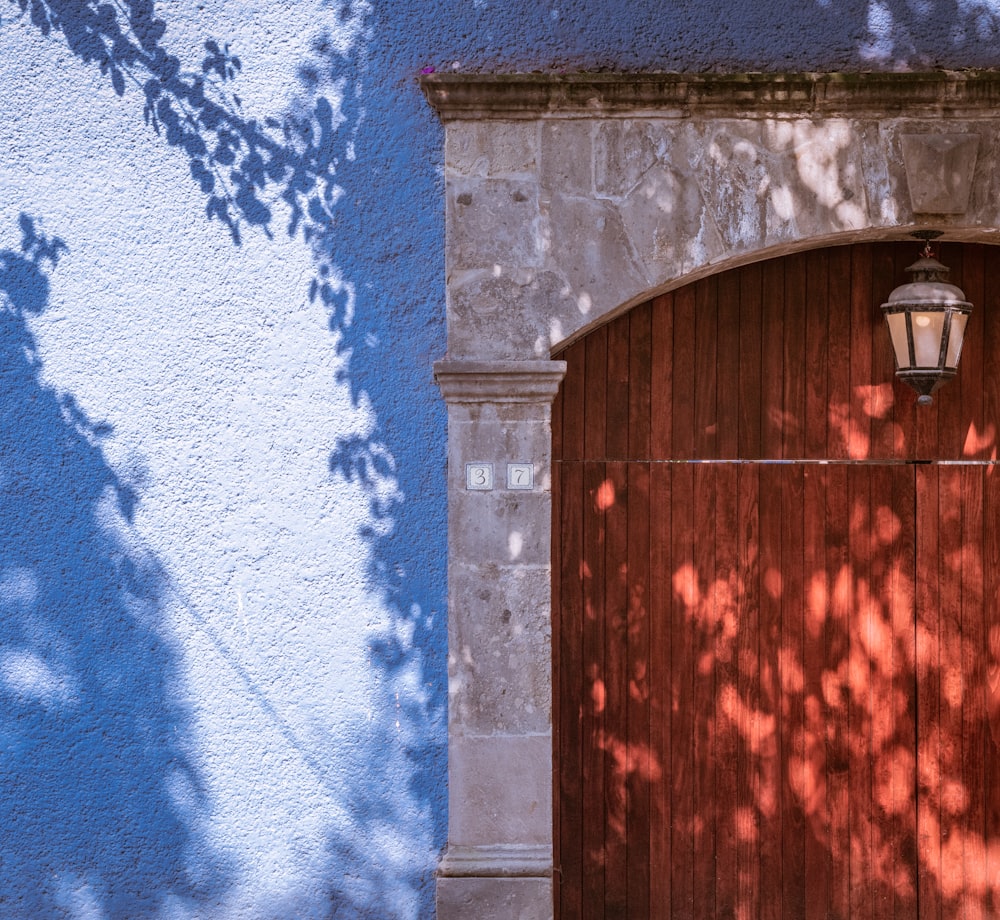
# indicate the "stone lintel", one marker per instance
pixel 531 381
pixel 665 95
pixel 497 861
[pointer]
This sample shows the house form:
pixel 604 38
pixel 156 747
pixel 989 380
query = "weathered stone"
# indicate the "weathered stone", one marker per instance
pixel 499 526
pixel 939 171
pixel 669 224
pixel 504 314
pixel 496 150
pixel 623 152
pixel 500 645
pixel 494 899
pixel 501 789
pixel 567 155
pixel 589 244
pixel 493 223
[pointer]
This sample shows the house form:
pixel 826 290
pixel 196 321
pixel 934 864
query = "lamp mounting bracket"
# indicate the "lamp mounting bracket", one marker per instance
pixel 926 235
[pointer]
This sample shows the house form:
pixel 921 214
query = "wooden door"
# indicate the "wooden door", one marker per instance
pixel 777 649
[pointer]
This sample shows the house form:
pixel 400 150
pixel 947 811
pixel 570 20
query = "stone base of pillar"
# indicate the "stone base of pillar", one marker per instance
pixel 473 898
pixel 495 883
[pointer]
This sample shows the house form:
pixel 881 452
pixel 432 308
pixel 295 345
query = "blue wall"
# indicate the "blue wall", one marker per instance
pixel 222 540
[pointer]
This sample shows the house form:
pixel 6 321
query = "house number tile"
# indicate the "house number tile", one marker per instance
pixel 520 476
pixel 479 477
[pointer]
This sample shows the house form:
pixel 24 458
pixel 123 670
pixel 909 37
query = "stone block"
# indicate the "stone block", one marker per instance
pixel 499 642
pixel 494 899
pixel 624 150
pixel 593 253
pixel 939 171
pixel 499 527
pixel 566 160
pixel 493 223
pixel 501 435
pixel 505 313
pixel 500 789
pixel 497 149
pixel 669 225
pixel 814 182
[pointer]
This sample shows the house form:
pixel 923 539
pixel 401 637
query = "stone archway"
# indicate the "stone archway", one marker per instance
pixel 569 200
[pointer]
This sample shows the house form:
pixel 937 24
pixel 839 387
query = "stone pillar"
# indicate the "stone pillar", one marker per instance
pixel 498 864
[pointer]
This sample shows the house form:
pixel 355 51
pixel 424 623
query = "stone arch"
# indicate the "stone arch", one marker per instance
pixel 571 199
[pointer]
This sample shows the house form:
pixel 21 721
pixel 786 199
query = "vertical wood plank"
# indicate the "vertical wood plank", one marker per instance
pixel 683 613
pixel 774 746
pixel 661 378
pixel 616 435
pixel 595 694
pixel 643 767
pixel 973 699
pixel 569 613
pixel 567 441
pixel 990 309
pixel 951 685
pixel 794 824
pixel 815 715
pixel 728 748
pixel 683 376
pixel 898 530
pixel 706 420
pixel 639 376
pixel 991 758
pixel 838 408
pixel 887 402
pixel 838 650
pixel 928 676
pixel 750 352
pixel 859 432
pixel 661 684
pixel 772 368
pixel 794 369
pixel 613 735
pixel 744 620
pixel 861 698
pixel 975 442
pixel 703 689
pixel 728 366
pixel 879 644
pixel 595 445
pixel 817 396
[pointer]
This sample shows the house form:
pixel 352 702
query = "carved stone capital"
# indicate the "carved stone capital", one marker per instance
pixel 499 381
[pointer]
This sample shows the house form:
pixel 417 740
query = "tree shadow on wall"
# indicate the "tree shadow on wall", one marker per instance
pixel 325 164
pixel 99 797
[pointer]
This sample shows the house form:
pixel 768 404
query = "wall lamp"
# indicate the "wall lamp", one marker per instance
pixel 926 320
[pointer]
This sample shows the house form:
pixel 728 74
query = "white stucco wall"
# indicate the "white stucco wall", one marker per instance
pixel 218 380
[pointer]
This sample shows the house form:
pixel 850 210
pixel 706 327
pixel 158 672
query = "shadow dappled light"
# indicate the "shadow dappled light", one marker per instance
pixel 93 759
pixel 317 167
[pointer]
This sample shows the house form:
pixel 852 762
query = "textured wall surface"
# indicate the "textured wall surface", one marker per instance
pixel 222 516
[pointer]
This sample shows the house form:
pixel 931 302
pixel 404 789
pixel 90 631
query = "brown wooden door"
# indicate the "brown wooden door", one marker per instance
pixel 777 648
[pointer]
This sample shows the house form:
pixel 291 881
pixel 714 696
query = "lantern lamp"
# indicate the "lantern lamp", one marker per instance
pixel 926 320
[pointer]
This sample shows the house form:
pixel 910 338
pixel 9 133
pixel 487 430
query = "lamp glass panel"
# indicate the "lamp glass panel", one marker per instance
pixel 927 331
pixel 897 332
pixel 958 321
